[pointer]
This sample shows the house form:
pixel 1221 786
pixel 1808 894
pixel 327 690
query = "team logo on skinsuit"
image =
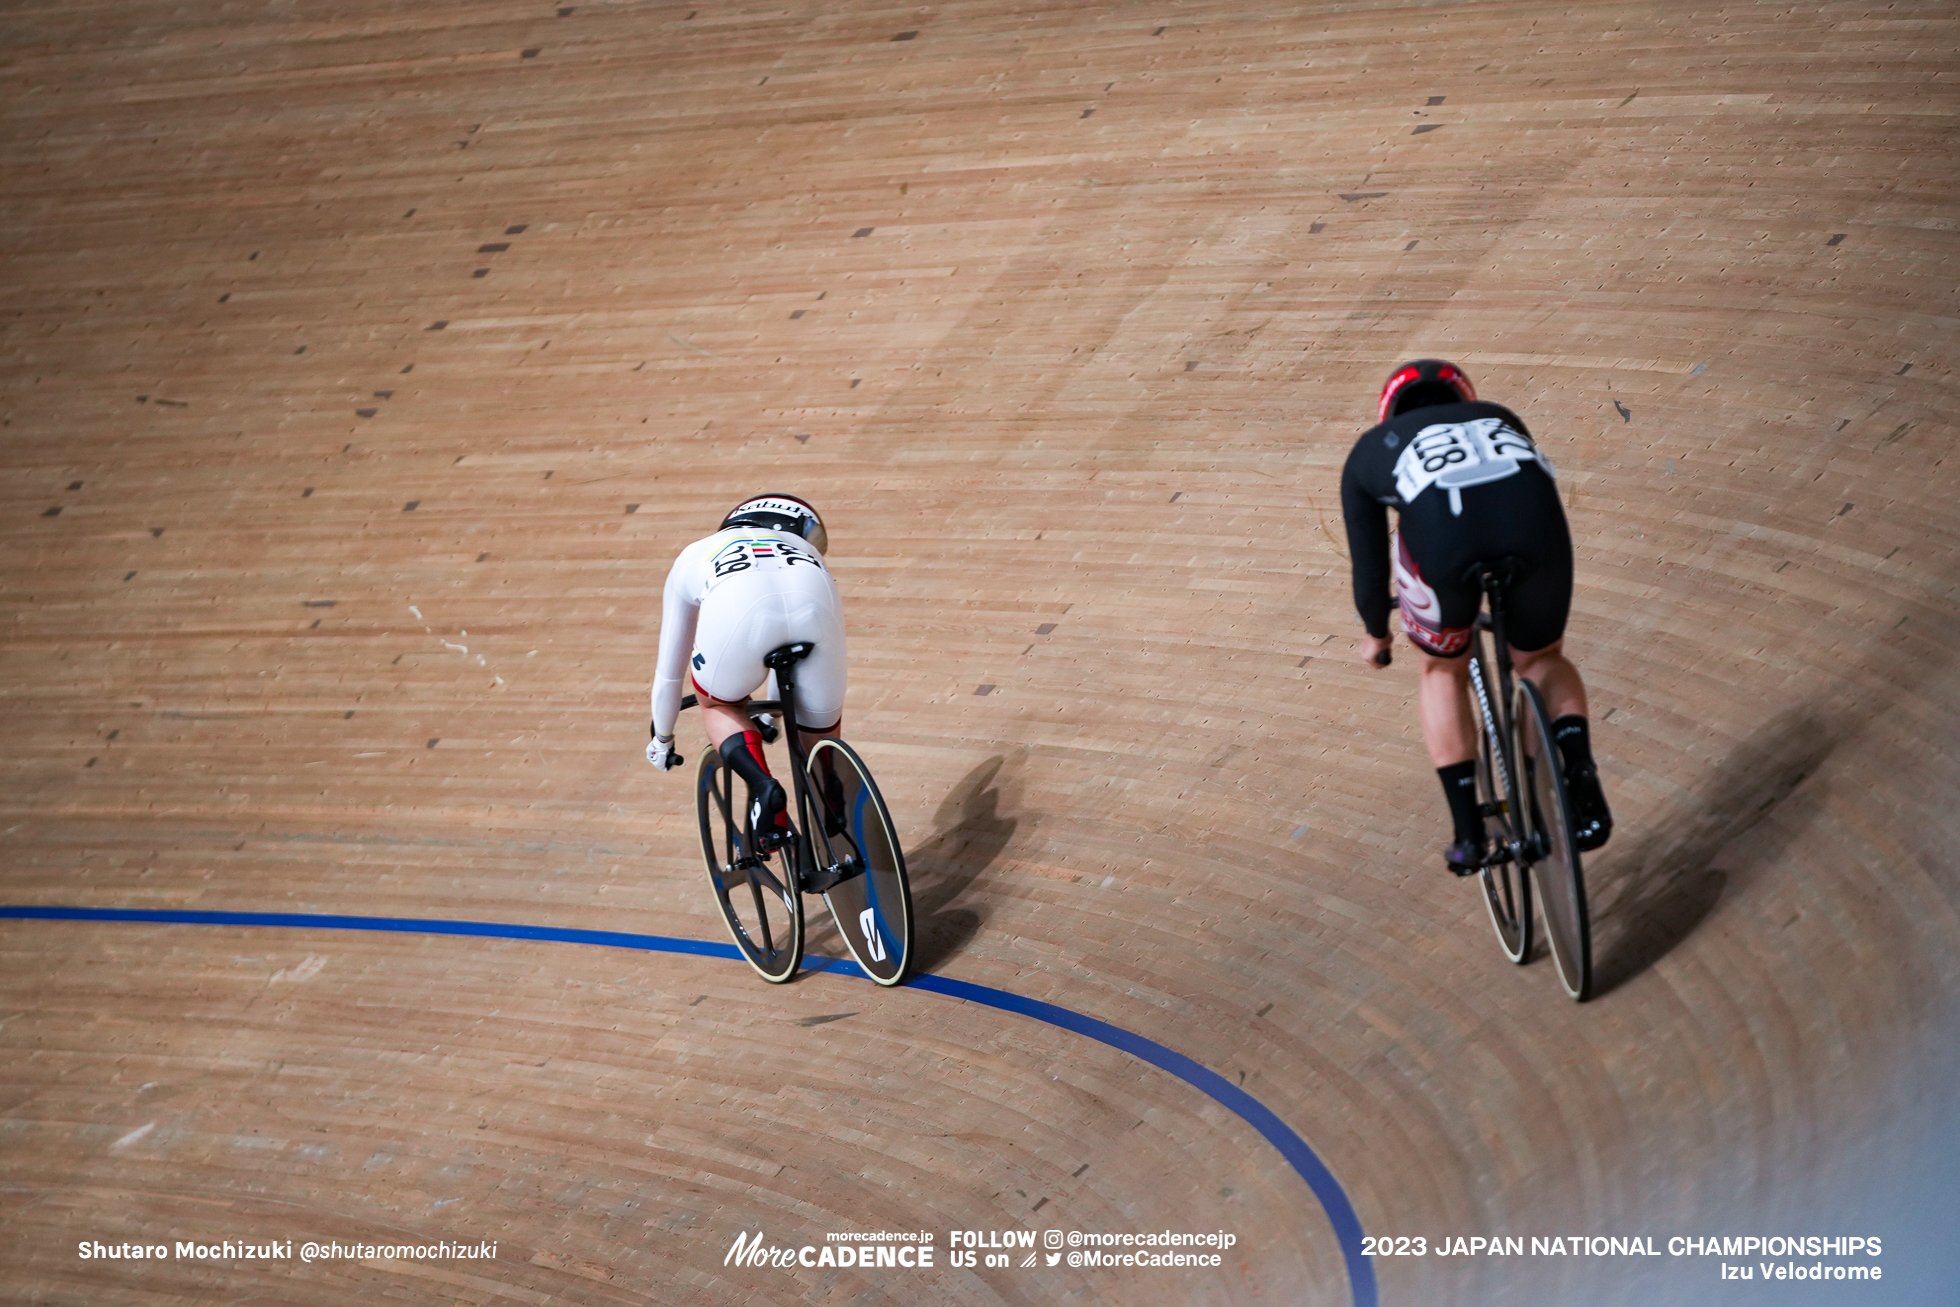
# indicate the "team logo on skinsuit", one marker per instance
pixel 1454 455
pixel 1422 611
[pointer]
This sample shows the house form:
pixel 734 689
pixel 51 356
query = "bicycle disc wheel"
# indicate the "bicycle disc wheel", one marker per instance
pixel 764 915
pixel 852 836
pixel 1548 824
pixel 1507 890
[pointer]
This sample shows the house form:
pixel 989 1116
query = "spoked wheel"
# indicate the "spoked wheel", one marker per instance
pixel 1507 890
pixel 1548 829
pixel 764 914
pixel 860 868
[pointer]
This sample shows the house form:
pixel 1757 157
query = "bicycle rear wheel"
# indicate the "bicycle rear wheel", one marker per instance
pixel 1507 890
pixel 1548 830
pixel 764 915
pixel 852 837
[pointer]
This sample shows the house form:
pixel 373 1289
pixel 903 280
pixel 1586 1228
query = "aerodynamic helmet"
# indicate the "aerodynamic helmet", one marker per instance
pixel 785 513
pixel 1422 383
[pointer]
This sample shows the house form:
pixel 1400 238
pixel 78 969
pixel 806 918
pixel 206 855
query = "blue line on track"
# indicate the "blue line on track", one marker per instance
pixel 1333 1199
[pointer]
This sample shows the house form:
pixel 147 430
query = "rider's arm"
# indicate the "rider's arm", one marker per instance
pixel 680 606
pixel 1367 533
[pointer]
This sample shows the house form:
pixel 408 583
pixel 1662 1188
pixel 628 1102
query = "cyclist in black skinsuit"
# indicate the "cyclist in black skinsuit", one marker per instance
pixel 1469 486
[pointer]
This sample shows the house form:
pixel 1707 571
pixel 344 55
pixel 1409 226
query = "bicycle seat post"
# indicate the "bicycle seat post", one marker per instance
pixel 1495 577
pixel 783 662
pixel 1494 592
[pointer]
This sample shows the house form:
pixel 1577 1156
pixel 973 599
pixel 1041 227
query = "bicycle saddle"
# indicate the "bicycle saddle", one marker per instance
pixel 787 654
pixel 1497 573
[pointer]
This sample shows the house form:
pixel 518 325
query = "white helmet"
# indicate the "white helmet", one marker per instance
pixel 785 513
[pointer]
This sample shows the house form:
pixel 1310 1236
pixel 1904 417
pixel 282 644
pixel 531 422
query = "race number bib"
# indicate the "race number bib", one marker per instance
pixel 758 552
pixel 1458 454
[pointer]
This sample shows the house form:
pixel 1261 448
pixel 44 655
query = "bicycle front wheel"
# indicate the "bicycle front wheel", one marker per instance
pixel 764 915
pixel 1507 890
pixel 1548 833
pixel 858 855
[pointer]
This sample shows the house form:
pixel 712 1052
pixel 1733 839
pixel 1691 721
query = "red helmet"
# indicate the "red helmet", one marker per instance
pixel 1422 383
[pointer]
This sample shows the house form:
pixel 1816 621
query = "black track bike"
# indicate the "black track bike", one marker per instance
pixel 840 843
pixel 1527 813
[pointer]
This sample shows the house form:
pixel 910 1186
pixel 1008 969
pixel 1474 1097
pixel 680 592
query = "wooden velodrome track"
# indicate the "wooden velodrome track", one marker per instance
pixel 365 365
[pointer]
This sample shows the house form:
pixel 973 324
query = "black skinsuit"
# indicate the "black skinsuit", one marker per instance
pixel 1468 486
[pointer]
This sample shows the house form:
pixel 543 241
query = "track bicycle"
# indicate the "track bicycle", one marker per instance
pixel 840 844
pixel 1522 794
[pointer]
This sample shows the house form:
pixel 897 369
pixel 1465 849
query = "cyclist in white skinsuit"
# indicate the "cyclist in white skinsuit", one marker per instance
pixel 755 585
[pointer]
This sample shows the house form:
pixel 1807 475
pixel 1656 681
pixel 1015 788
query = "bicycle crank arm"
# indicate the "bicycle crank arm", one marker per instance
pixel 829 878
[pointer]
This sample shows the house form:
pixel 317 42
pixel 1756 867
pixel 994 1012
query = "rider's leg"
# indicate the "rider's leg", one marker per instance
pixel 740 745
pixel 1555 676
pixel 1565 701
pixel 830 787
pixel 822 679
pixel 1450 733
pixel 809 735
pixel 1443 705
pixel 724 720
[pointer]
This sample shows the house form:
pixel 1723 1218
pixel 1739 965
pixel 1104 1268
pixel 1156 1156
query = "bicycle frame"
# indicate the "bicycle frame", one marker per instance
pixel 1495 578
pixel 1518 784
pixel 783 663
pixel 811 845
pixel 785 707
pixel 1499 714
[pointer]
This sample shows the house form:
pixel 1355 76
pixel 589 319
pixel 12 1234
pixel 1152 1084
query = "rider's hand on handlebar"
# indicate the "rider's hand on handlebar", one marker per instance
pixel 1376 651
pixel 662 755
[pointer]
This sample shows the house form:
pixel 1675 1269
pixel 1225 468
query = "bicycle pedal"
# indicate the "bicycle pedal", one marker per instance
pixel 1466 857
pixel 828 879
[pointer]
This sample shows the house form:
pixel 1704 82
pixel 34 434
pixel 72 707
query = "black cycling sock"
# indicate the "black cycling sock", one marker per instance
pixel 1460 788
pixel 743 754
pixel 1574 740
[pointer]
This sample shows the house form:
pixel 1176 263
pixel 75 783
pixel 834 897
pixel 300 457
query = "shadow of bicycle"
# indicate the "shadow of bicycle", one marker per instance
pixel 970 832
pixel 1648 896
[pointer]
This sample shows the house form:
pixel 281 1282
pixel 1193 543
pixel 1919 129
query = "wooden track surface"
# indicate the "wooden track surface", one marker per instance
pixel 365 365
